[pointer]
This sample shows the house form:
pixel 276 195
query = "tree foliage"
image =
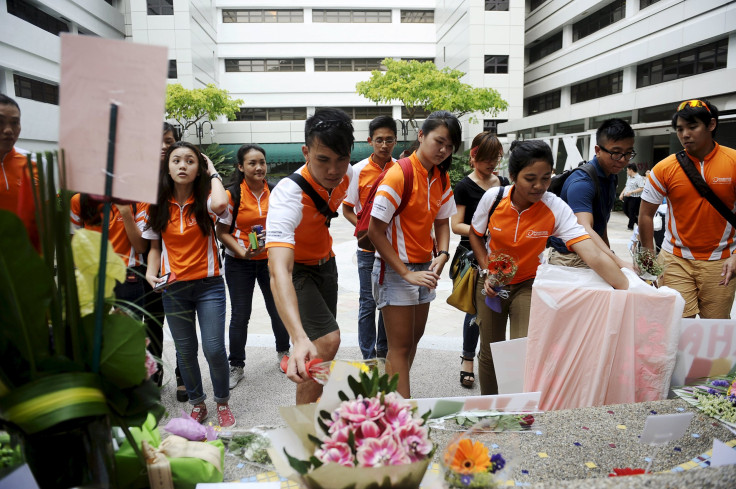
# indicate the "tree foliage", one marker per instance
pixel 422 85
pixel 188 106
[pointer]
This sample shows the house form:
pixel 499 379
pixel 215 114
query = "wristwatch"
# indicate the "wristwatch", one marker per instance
pixel 216 175
pixel 483 272
pixel 444 252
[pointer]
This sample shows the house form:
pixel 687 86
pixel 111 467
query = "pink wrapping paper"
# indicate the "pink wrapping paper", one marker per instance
pixel 591 345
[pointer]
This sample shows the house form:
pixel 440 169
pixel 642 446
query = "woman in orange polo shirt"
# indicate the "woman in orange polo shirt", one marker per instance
pixel 405 274
pixel 245 264
pixel 525 217
pixel 182 233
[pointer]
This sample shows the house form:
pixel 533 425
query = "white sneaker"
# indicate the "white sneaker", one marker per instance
pixel 236 373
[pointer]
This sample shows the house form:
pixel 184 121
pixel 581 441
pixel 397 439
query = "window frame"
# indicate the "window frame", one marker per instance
pixel 417 16
pixel 669 68
pixel 351 16
pixel 551 98
pixel 159 7
pixel 496 5
pixel 37 90
pixel 271 114
pixel 598 20
pixel 498 62
pixel 267 65
pixel 594 88
pixel 546 47
pixel 30 13
pixel 251 16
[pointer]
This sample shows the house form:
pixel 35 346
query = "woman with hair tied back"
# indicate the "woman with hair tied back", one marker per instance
pixel 244 264
pixel 485 154
pixel 525 217
pixel 181 229
pixel 405 274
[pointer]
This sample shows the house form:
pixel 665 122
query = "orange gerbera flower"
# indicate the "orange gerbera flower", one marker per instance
pixel 466 457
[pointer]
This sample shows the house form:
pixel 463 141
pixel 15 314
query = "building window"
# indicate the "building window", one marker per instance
pixel 232 16
pixel 172 68
pixel 701 59
pixel 262 65
pixel 417 16
pixel 542 103
pixel 160 7
pixel 496 64
pixel 36 16
pixel 497 5
pixel 351 16
pixel 535 4
pixel 597 87
pixel 599 19
pixel 348 64
pixel 271 114
pixel 546 47
pixel 491 125
pixel 36 90
pixel 419 113
pixel 366 112
pixel 646 3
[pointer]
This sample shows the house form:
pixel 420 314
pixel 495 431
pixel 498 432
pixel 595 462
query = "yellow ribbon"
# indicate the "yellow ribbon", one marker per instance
pixel 159 468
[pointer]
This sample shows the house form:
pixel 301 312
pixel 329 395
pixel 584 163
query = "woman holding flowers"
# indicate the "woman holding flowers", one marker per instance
pixel 182 233
pixel 405 274
pixel 525 216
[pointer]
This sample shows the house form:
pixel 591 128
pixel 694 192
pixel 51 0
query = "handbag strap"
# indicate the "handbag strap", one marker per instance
pixel 703 189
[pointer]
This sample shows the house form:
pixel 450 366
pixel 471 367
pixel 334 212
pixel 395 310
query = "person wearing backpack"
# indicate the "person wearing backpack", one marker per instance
pixel 405 273
pixel 700 239
pixel 525 215
pixel 299 244
pixel 485 154
pixel 382 138
pixel 244 264
pixel 592 201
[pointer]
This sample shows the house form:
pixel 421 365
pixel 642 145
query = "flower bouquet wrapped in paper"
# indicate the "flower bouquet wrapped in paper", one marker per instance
pixel 715 397
pixel 646 262
pixel 501 270
pixel 373 438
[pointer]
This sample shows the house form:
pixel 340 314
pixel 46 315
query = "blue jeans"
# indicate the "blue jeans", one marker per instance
pixel 205 299
pixel 367 311
pixel 241 276
pixel 471 332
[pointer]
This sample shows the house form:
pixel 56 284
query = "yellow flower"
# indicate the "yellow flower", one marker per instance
pixel 466 457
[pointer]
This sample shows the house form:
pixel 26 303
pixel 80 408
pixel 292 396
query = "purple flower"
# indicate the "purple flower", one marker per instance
pixel 360 410
pixel 414 439
pixel 712 392
pixel 379 452
pixel 498 462
pixel 466 479
pixel 720 383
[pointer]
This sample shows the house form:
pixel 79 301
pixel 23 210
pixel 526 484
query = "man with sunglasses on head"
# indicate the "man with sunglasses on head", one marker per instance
pixel 300 257
pixel 614 150
pixel 698 248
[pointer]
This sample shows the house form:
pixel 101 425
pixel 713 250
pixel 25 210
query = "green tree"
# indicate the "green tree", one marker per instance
pixel 187 107
pixel 421 85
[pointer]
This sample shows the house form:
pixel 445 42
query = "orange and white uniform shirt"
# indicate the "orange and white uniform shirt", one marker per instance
pixel 184 249
pixel 365 173
pixel 294 222
pixel 252 211
pixel 523 235
pixel 695 230
pixel 116 229
pixel 12 168
pixel 410 233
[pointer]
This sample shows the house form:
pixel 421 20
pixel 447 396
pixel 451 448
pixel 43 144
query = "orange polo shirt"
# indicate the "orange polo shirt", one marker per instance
pixel 11 176
pixel 365 173
pixel 294 222
pixel 116 229
pixel 184 249
pixel 410 233
pixel 252 210
pixel 695 230
pixel 523 235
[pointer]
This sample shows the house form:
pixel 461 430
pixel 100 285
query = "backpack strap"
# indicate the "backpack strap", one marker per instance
pixel 405 164
pixel 496 201
pixel 319 202
pixel 593 174
pixel 703 188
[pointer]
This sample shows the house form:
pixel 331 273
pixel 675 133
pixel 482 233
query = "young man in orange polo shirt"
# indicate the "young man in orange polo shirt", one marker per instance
pixel 12 163
pixel 299 244
pixel 382 138
pixel 698 248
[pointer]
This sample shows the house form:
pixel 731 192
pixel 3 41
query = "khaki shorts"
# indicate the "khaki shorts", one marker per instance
pixel 697 282
pixel 566 259
pixel 316 294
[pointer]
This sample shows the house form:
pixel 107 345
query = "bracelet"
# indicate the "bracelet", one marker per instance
pixel 444 252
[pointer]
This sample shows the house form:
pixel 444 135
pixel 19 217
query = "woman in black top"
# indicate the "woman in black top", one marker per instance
pixel 485 154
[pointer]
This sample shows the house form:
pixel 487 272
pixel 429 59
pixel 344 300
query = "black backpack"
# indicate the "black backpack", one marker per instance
pixel 558 181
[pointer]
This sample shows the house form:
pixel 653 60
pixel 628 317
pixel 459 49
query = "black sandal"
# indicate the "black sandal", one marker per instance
pixel 181 391
pixel 467 379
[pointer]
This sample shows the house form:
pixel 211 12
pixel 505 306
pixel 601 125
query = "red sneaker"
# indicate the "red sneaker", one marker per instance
pixel 225 417
pixel 199 413
pixel 284 363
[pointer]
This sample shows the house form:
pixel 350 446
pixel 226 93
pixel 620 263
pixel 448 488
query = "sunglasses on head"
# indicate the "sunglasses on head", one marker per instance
pixel 693 104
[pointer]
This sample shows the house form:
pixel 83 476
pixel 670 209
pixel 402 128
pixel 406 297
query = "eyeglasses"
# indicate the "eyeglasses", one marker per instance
pixel 617 156
pixel 328 124
pixel 387 141
pixel 693 104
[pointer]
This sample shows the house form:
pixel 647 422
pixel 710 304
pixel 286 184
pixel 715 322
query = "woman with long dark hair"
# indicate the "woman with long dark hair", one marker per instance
pixel 405 274
pixel 244 264
pixel 184 249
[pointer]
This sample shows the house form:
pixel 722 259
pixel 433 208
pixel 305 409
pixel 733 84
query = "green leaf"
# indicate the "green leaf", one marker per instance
pixel 123 354
pixel 299 465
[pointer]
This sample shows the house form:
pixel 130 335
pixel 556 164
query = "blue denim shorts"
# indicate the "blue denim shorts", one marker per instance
pixel 395 291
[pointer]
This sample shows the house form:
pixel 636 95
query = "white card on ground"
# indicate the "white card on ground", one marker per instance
pixel 509 358
pixel 722 454
pixel 663 428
